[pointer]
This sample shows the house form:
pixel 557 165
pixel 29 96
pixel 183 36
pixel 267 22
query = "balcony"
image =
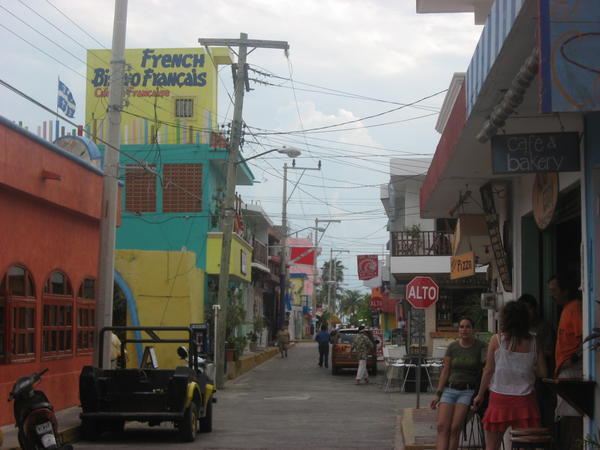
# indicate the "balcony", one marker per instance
pixel 420 253
pixel 421 243
pixel 260 253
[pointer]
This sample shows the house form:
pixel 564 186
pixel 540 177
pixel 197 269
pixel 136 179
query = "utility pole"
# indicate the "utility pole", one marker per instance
pixel 315 267
pixel 108 222
pixel 284 270
pixel 227 225
pixel 331 282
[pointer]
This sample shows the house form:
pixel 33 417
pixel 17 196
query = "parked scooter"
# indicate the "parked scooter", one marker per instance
pixel 34 416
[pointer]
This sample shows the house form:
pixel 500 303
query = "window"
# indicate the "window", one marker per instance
pixel 184 107
pixel 182 190
pixel 86 316
pixel 17 315
pixel 57 318
pixel 140 190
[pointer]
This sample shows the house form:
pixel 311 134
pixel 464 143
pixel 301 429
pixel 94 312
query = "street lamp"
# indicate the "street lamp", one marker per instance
pixel 227 227
pixel 289 151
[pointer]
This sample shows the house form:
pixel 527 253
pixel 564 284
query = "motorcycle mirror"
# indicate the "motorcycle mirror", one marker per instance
pixel 182 352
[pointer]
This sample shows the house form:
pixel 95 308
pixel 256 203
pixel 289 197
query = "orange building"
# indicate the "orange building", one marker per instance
pixel 49 249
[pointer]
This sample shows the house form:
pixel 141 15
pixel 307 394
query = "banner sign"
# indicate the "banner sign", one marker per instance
pixel 541 152
pixel 568 40
pixel 368 266
pixel 376 303
pixel 462 266
pixel 302 255
pixel 491 219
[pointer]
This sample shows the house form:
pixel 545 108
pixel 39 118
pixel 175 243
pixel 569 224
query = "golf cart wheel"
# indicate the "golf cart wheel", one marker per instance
pixel 188 428
pixel 206 421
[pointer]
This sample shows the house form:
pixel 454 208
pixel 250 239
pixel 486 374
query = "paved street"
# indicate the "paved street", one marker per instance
pixel 287 403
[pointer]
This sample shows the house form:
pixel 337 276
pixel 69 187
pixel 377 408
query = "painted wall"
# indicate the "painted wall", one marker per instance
pixel 156 79
pixel 240 261
pixel 168 290
pixel 46 225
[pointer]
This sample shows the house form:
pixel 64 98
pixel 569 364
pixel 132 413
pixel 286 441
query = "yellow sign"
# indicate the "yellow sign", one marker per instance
pixel 170 94
pixel 462 266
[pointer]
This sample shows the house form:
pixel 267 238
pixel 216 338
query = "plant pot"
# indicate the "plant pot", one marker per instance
pixel 230 354
pixel 252 346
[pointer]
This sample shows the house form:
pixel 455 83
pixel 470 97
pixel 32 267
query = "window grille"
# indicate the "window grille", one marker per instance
pixel 86 316
pixel 182 190
pixel 140 190
pixel 184 107
pixel 57 316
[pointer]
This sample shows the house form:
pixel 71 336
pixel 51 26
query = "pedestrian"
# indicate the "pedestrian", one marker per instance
pixel 116 362
pixel 362 346
pixel 512 364
pixel 283 340
pixel 458 381
pixel 569 363
pixel 323 338
pixel 542 330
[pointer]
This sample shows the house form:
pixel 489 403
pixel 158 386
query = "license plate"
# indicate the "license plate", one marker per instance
pixel 43 428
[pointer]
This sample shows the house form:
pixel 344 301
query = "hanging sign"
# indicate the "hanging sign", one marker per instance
pixel 462 266
pixel 368 266
pixel 544 198
pixel 540 152
pixel 491 219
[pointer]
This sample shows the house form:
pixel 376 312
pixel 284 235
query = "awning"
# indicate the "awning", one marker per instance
pixel 472 235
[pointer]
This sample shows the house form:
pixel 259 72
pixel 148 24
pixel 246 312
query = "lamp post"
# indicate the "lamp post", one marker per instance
pixel 227 228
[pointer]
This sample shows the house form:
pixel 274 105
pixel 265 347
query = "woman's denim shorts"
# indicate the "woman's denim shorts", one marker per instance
pixel 456 397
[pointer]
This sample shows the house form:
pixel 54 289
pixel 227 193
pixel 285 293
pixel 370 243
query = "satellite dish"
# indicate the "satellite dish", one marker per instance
pixel 83 148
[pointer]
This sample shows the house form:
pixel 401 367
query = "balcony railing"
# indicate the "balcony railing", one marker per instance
pixel 421 243
pixel 260 253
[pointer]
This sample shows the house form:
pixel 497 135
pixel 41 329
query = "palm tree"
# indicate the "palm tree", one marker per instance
pixel 337 276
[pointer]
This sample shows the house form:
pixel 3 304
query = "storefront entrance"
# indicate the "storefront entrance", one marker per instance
pixel 555 249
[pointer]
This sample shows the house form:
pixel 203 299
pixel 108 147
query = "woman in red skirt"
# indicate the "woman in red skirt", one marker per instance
pixel 510 371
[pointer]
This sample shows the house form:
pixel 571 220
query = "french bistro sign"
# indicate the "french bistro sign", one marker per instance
pixel 539 152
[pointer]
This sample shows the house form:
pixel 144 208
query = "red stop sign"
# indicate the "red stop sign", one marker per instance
pixel 422 292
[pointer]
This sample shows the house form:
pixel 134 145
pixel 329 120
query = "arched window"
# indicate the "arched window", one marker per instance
pixel 57 318
pixel 86 315
pixel 17 315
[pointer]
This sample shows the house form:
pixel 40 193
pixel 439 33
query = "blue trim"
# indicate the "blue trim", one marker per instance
pixel 544 48
pixel 131 306
pixel 7 123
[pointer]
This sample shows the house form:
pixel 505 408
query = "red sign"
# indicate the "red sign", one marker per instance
pixel 368 266
pixel 303 255
pixel 376 303
pixel 422 292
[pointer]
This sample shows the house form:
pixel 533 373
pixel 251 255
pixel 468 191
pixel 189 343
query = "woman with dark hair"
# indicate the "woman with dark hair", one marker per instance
pixel 458 381
pixel 509 374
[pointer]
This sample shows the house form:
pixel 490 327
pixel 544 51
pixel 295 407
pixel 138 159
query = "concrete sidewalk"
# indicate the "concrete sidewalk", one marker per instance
pixel 68 418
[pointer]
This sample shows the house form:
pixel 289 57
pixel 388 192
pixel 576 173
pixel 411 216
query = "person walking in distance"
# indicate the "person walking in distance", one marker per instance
pixel 569 363
pixel 459 379
pixel 513 362
pixel 283 340
pixel 323 338
pixel 362 346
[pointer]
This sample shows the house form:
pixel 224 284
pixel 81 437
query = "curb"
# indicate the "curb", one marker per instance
pixel 408 433
pixel 249 362
pixel 67 436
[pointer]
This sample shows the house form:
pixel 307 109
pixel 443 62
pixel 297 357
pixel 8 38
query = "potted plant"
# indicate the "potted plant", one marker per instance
pixel 252 340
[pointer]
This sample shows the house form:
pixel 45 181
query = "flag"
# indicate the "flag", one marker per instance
pixel 368 266
pixel 66 102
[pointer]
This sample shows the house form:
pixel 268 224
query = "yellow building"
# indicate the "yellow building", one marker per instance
pixel 170 93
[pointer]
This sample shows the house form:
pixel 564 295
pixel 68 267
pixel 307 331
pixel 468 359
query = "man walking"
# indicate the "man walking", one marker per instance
pixel 322 338
pixel 362 346
pixel 568 351
pixel 283 340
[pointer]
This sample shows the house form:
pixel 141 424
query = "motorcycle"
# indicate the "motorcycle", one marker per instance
pixel 34 416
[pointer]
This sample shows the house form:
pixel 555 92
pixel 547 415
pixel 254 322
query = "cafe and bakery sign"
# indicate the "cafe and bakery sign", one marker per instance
pixel 536 152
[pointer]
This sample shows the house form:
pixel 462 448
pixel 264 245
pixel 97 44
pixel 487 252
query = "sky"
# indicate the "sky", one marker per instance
pixel 352 62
